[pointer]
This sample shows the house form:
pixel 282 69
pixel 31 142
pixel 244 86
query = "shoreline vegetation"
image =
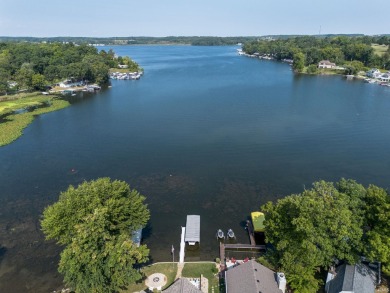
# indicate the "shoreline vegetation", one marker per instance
pixel 168 40
pixel 344 55
pixel 19 111
pixel 33 75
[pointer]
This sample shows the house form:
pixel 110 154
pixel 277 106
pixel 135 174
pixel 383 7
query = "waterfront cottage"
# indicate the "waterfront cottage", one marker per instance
pixel 326 64
pixel 373 73
pixel 358 278
pixel 254 277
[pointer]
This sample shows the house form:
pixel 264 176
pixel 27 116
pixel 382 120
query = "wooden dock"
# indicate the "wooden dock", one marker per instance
pixel 245 246
pixel 251 233
pixel 238 246
pixel 222 256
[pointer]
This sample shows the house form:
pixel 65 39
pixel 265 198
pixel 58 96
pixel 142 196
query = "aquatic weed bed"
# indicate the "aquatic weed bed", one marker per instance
pixel 12 124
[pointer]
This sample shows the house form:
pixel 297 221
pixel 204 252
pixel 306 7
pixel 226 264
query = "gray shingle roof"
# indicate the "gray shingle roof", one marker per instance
pixel 357 278
pixel 251 277
pixel 182 285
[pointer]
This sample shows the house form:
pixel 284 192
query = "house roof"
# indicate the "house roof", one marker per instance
pixel 251 277
pixel 357 278
pixel 327 62
pixel 182 285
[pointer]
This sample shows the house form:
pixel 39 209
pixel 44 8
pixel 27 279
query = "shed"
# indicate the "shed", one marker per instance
pixel 192 229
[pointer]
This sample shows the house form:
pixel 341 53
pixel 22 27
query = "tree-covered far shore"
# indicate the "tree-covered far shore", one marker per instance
pixel 34 66
pixel 353 53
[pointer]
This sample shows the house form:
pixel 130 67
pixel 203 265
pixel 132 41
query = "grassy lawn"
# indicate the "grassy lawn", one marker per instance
pixel 168 270
pixel 194 270
pixel 12 125
pixel 379 49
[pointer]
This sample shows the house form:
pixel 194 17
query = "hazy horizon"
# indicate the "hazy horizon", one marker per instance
pixel 44 18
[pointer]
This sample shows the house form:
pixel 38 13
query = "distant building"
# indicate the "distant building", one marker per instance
pixel 358 278
pixel 123 66
pixel 326 64
pixel 374 73
pixel 254 277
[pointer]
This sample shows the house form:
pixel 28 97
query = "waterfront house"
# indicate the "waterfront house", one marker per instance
pixel 326 64
pixel 253 277
pixel 123 66
pixel 373 73
pixel 357 278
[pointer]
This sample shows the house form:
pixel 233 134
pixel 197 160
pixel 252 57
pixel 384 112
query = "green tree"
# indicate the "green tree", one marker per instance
pixel 312 68
pixel 94 222
pixel 38 82
pixel 311 229
pixel 299 61
pixel 24 75
pixel 3 81
pixel 377 223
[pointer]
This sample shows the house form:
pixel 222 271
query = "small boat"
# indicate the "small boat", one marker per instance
pixel 136 237
pixel 220 234
pixel 230 234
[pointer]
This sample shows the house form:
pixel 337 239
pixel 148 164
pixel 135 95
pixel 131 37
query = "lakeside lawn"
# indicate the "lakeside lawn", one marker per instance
pixel 168 269
pixel 208 270
pixel 190 270
pixel 12 124
pixel 379 50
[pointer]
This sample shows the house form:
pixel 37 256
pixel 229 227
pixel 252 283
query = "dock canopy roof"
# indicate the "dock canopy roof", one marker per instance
pixel 258 221
pixel 192 229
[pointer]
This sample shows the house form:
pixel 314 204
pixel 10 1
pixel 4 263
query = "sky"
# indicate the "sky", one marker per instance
pixel 159 18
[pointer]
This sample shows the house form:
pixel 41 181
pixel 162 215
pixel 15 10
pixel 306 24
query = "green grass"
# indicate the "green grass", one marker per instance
pixel 168 270
pixel 379 49
pixel 12 126
pixel 194 270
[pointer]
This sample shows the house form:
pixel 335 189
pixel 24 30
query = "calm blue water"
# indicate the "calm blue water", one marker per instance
pixel 204 131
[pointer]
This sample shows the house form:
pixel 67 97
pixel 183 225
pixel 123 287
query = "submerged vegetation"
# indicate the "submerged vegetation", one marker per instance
pixel 17 114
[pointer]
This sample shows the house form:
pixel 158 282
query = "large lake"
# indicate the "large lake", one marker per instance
pixel 204 131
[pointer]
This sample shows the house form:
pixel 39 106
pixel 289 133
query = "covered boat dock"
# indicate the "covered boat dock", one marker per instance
pixel 192 229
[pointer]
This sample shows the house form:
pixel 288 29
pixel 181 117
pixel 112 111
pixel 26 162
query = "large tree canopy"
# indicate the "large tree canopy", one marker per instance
pixel 326 223
pixel 95 222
